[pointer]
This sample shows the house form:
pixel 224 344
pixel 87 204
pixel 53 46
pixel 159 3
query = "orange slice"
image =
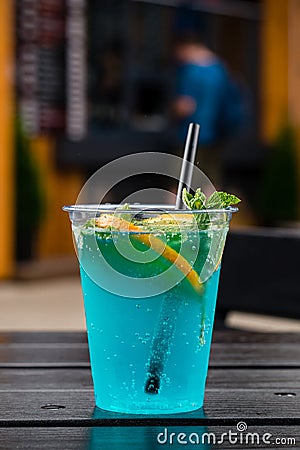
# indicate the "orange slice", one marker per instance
pixel 108 220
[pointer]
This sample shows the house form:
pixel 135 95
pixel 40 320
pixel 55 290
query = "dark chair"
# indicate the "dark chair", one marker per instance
pixel 261 272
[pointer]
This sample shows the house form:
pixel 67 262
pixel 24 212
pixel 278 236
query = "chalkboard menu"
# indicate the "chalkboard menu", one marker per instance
pixel 47 65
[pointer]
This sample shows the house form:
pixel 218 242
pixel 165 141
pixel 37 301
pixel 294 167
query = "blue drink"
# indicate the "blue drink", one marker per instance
pixel 150 344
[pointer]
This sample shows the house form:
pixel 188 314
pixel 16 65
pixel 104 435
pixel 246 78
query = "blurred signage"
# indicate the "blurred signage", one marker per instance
pixel 76 70
pixel 45 65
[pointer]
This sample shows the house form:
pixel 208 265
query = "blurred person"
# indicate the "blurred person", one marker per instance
pixel 205 93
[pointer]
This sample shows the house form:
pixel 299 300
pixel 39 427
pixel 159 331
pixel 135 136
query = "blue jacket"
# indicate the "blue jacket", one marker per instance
pixel 218 101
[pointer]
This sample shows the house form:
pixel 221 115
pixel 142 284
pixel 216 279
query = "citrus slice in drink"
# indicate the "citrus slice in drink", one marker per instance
pixel 114 222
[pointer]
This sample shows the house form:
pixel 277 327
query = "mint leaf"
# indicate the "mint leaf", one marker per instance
pixel 196 201
pixel 219 200
pixel 199 200
pixel 187 198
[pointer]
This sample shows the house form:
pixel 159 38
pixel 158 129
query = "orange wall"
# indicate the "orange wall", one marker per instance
pixel 294 71
pixel 280 68
pixel 274 66
pixel 6 138
pixel 294 62
pixel 60 188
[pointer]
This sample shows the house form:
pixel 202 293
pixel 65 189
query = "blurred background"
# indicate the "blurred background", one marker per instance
pixel 84 82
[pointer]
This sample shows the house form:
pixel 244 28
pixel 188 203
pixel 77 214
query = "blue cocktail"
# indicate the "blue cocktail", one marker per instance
pixel 149 281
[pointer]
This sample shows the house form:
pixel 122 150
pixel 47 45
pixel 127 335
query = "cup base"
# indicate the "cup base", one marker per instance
pixel 142 408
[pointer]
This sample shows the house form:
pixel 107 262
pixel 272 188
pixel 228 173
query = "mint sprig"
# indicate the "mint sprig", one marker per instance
pixel 218 200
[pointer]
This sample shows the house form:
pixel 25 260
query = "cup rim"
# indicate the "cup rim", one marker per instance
pixel 109 208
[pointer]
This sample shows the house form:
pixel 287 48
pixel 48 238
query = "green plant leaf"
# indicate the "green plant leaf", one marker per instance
pixel 187 198
pixel 220 200
pixel 199 199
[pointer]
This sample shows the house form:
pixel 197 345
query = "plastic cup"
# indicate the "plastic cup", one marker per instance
pixel 149 279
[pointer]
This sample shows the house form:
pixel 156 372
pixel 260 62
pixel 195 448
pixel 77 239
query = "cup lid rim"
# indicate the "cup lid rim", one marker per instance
pixel 147 208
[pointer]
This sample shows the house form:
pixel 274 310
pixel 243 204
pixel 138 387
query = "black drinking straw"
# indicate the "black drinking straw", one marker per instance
pixel 188 160
pixel 166 323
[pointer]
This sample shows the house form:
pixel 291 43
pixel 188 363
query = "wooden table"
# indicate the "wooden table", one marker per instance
pixel 47 395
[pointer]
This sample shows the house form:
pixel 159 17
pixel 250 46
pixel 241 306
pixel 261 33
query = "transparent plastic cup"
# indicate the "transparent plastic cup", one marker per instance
pixel 149 278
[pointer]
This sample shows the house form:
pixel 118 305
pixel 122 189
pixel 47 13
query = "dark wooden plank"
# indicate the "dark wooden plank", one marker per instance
pixel 220 336
pixel 222 406
pixel 43 337
pixel 250 354
pixel 19 380
pixel 226 354
pixel 143 438
pixel 44 355
pixel 260 379
pixel 243 336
